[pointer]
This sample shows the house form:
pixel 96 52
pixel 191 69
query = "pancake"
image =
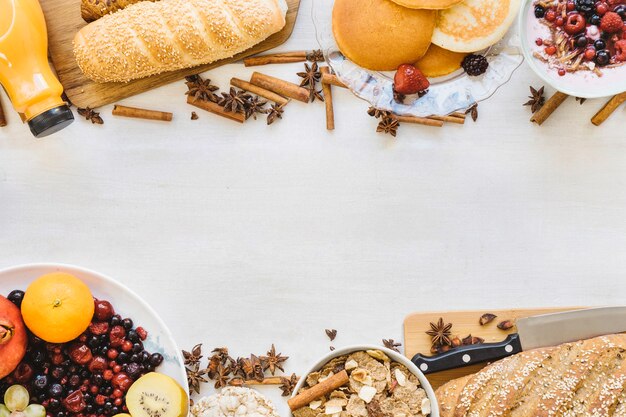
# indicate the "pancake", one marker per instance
pixel 474 24
pixel 381 35
pixel 439 62
pixel 427 4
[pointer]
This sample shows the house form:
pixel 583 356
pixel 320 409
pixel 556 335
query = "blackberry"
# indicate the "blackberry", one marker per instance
pixel 595 19
pixel 603 58
pixel 475 65
pixel 540 12
pixel 586 6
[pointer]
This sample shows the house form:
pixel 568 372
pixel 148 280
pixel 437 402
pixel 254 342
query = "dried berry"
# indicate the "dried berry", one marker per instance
pixel 506 325
pixel 487 318
pixel 80 354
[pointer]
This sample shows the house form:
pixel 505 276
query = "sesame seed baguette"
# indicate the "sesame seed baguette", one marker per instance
pixel 611 393
pixel 91 10
pixel 149 38
pixel 448 395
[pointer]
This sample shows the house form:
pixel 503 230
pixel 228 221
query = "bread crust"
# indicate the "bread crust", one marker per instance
pixel 91 10
pixel 149 38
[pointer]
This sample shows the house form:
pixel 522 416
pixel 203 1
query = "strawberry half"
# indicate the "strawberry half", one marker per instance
pixel 410 80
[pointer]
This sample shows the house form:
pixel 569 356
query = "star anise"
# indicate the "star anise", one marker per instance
pixel 377 113
pixel 315 56
pixel 195 377
pixel 310 76
pixel 389 124
pixel 275 112
pixel 331 333
pixel 255 106
pixel 581 100
pixel 193 357
pixel 288 384
pixel 193 78
pixel 316 94
pixel 392 344
pixel 234 101
pixel 537 99
pixel 473 111
pixel 219 357
pixel 202 90
pixel 440 333
pixel 222 377
pixel 273 361
pixel 89 114
pixel 257 368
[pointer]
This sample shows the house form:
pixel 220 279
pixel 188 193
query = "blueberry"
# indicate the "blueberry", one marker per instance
pixel 55 391
pixel 127 323
pixel 540 12
pixel 621 11
pixel 595 20
pixel 603 57
pixel 582 41
pixel 156 359
pixel 600 44
pixel 585 6
pixel 40 381
pixel 16 297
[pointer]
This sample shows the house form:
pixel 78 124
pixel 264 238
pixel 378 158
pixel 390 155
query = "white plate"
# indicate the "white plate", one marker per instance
pixel 125 302
pixel 592 87
pixel 395 356
pixel 447 94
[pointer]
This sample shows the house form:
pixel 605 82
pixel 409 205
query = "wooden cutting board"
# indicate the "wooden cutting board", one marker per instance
pixel 463 324
pixel 63 20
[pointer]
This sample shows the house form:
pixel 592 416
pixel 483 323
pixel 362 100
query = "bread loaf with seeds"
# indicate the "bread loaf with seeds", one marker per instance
pixel 91 10
pixel 149 38
pixel 581 379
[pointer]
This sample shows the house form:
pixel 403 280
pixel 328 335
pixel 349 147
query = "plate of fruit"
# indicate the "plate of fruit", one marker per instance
pixel 420 57
pixel 577 46
pixel 75 343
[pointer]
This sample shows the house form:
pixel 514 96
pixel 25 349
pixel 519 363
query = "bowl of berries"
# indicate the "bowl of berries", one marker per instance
pixel 75 343
pixel 577 46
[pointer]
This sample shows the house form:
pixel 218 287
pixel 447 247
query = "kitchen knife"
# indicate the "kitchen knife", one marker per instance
pixel 532 332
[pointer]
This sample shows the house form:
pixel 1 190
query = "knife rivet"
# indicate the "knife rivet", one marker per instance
pixel 466 358
pixel 424 367
pixel 508 348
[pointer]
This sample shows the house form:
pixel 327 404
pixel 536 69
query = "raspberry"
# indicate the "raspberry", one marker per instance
pixel 410 80
pixel 475 65
pixel 611 22
pixel 620 50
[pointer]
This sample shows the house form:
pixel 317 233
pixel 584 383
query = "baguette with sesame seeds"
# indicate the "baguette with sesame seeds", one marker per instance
pixel 581 379
pixel 149 38
pixel 91 10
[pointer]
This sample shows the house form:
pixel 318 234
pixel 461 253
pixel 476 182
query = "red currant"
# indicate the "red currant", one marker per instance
pixel 551 50
pixel 562 72
pixel 539 41
pixel 590 54
pixel 551 15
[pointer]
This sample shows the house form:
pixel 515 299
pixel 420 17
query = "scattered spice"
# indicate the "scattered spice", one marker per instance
pixel 331 333
pixel 506 325
pixel 194 115
pixel 392 344
pixel 275 112
pixel 257 368
pixel 222 377
pixel 234 101
pixel 581 100
pixel 377 113
pixel 537 99
pixel 315 56
pixel 472 340
pixel 273 361
pixel 389 125
pixel 487 318
pixel 456 342
pixel 202 89
pixel 193 358
pixel 440 333
pixel 195 377
pixel 253 106
pixel 473 111
pixel 89 114
pixel 288 385
pixel 310 78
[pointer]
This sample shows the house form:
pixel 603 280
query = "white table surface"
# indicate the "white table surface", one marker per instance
pixel 248 235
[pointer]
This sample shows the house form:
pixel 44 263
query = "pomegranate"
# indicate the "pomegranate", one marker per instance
pixel 13 338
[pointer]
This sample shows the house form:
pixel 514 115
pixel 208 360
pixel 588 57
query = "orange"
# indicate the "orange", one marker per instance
pixel 57 307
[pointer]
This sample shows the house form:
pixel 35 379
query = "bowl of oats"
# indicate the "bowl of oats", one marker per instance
pixel 364 381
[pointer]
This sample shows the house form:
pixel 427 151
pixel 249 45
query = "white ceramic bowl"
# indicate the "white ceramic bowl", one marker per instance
pixel 395 356
pixel 125 302
pixel 594 87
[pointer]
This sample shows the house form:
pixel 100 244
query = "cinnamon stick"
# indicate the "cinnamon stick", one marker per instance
pixel 449 119
pixel 551 105
pixel 244 85
pixel 331 79
pixel 273 380
pixel 426 121
pixel 215 109
pixel 317 391
pixel 328 101
pixel 3 119
pixel 281 87
pixel 138 113
pixel 608 109
pixel 282 58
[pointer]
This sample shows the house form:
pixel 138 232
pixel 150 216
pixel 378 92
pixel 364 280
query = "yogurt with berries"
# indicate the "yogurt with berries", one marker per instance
pixel 579 41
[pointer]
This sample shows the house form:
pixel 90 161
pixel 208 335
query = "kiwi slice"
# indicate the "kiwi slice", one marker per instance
pixel 156 395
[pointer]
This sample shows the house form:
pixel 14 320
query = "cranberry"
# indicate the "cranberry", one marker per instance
pixel 23 373
pixel 98 365
pixel 560 21
pixel 127 346
pixel 602 8
pixel 75 402
pixel 118 402
pixel 143 334
pixel 571 6
pixel 80 353
pixel 117 335
pixel 107 375
pixel 117 369
pixel 99 328
pixel 103 310
pixel 112 353
pixel 121 381
pixel 117 393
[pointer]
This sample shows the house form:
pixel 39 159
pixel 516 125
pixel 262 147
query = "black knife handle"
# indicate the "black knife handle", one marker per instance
pixel 468 355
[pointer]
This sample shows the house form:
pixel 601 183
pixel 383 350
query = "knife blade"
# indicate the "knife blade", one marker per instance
pixel 533 332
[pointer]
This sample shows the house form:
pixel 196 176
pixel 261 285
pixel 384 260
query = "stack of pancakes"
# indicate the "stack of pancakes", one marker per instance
pixel 435 35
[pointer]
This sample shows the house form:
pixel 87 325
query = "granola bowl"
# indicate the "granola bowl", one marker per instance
pixel 588 81
pixel 400 387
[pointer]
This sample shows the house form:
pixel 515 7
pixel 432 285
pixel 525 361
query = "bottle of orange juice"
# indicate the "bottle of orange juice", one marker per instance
pixel 24 69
